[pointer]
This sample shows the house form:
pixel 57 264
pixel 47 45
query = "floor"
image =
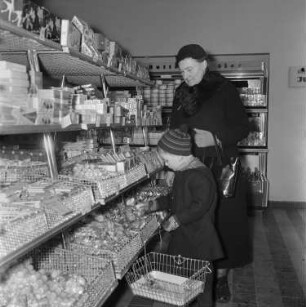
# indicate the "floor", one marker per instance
pixel 277 276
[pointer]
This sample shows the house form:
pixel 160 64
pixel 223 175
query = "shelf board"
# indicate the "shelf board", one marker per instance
pixel 8 259
pixel 253 149
pixel 56 62
pixel 14 38
pixel 29 129
pixel 256 110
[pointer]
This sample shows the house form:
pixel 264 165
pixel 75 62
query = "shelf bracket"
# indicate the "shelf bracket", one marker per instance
pixel 49 148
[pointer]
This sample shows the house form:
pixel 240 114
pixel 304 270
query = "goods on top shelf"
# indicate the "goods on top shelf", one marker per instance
pixel 75 34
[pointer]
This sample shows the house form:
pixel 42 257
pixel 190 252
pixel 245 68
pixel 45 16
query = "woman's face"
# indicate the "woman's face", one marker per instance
pixel 192 71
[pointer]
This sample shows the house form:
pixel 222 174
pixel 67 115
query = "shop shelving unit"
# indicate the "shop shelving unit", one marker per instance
pixel 56 62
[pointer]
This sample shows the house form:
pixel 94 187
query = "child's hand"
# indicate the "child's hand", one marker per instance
pixel 143 208
pixel 146 207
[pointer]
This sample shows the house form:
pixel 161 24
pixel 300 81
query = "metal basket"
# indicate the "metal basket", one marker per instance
pixel 99 273
pixel 122 257
pixel 17 232
pixel 170 279
pixel 101 188
pixel 31 173
pixel 133 175
pixel 80 199
pixel 149 228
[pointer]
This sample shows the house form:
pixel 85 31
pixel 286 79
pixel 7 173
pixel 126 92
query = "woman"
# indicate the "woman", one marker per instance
pixel 210 104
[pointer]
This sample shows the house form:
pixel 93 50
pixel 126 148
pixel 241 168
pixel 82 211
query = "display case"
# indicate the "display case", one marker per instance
pixel 250 74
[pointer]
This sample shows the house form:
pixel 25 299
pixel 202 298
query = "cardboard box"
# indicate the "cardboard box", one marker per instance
pixel 52 27
pixel 38 20
pixel 88 37
pixel 100 41
pixel 11 10
pixel 52 107
pixel 70 35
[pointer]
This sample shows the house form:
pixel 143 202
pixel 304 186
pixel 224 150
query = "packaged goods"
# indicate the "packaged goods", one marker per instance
pixel 88 37
pixel 11 10
pixel 40 21
pixel 53 105
pixel 100 41
pixel 11 74
pixel 12 66
pixel 70 35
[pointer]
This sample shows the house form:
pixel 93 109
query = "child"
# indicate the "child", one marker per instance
pixel 191 205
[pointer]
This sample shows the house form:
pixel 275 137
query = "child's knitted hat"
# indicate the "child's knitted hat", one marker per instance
pixel 176 142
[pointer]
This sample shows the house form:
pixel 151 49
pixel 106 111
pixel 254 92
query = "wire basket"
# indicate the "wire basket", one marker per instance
pixel 133 175
pixel 19 231
pixel 80 199
pixel 122 257
pixel 31 173
pixel 170 279
pixel 101 188
pixel 99 273
pixel 149 228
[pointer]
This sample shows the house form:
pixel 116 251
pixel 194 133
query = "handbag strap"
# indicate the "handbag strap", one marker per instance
pixel 218 149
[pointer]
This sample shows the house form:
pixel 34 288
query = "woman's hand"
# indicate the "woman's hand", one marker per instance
pixel 203 138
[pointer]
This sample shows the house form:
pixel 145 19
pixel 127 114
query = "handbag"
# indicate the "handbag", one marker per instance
pixel 228 173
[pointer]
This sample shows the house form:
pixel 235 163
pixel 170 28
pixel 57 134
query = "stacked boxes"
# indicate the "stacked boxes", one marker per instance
pixel 88 37
pixel 14 84
pixel 11 10
pixel 39 20
pixel 53 105
pixel 70 35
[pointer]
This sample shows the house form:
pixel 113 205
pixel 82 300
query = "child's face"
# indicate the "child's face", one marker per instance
pixel 170 160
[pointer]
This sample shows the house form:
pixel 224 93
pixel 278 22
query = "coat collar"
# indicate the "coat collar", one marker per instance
pixel 191 164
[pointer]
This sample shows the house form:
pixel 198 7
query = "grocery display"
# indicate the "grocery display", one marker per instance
pixel 38 203
pixel 33 213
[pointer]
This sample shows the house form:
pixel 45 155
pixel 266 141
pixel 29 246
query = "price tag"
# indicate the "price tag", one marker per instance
pixel 95 58
pixel 66 49
pixel 66 121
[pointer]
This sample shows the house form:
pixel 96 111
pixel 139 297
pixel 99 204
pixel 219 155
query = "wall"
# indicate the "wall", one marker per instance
pixel 278 27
